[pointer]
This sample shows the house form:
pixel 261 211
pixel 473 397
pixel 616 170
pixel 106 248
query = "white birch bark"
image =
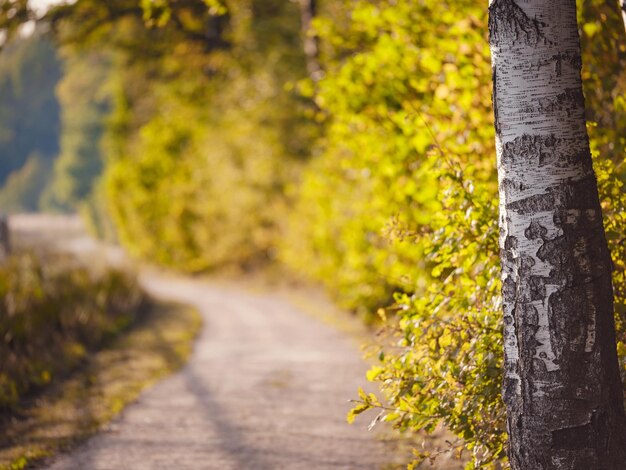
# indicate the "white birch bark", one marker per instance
pixel 562 386
pixel 622 8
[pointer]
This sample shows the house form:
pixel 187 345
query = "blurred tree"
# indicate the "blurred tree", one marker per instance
pixel 197 21
pixel 5 239
pixel 308 10
pixel 199 164
pixel 23 188
pixel 29 110
pixel 85 100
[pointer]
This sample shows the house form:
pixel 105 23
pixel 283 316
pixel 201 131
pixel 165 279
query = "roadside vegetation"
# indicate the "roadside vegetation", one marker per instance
pixel 53 313
pixel 77 346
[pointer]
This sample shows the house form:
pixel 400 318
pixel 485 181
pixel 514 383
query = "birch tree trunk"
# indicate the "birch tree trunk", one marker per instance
pixel 562 385
pixel 622 8
pixel 307 15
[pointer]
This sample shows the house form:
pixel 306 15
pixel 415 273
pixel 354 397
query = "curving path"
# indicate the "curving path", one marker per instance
pixel 265 389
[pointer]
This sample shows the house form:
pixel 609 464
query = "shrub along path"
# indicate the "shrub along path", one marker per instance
pixel 266 388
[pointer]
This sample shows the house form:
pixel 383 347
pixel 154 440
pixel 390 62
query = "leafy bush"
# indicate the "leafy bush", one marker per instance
pixel 397 88
pixel 51 315
pixel 198 163
pixel 440 361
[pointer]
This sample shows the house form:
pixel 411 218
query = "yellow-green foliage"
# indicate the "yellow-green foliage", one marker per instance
pixel 440 361
pixel 405 184
pixel 398 88
pixel 399 197
pixel 229 210
pixel 200 181
pixel 82 403
pixel 398 204
pixel 51 315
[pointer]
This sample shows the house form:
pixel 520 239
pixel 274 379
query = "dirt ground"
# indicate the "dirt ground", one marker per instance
pixel 266 388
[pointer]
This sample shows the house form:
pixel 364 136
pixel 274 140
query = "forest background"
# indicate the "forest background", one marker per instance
pixel 356 150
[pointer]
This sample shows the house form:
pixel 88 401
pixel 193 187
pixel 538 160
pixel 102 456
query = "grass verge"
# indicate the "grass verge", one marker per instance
pixel 74 408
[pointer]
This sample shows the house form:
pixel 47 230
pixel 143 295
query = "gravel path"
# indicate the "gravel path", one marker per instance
pixel 266 388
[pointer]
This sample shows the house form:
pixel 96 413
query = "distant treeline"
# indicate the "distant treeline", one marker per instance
pixel 52 114
pixel 29 120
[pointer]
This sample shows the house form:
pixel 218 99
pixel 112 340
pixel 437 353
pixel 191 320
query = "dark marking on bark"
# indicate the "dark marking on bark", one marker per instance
pixel 566 317
pixel 509 184
pixel 581 436
pixel 558 68
pixel 509 388
pixel 509 288
pixel 578 194
pixel 529 314
pixel 559 60
pixel 536 203
pixel 539 367
pixel 510 243
pixel 572 438
pixel 541 150
pixel 535 230
pixel 563 102
pixel 494 100
pixel 537 288
pixel 509 24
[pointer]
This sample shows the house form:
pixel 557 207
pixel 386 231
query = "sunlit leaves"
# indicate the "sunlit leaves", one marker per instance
pixel 156 12
pixel 405 186
pixel 13 14
pixel 384 65
pixel 216 7
pixel 202 145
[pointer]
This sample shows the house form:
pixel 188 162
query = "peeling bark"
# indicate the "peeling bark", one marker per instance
pixel 562 385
